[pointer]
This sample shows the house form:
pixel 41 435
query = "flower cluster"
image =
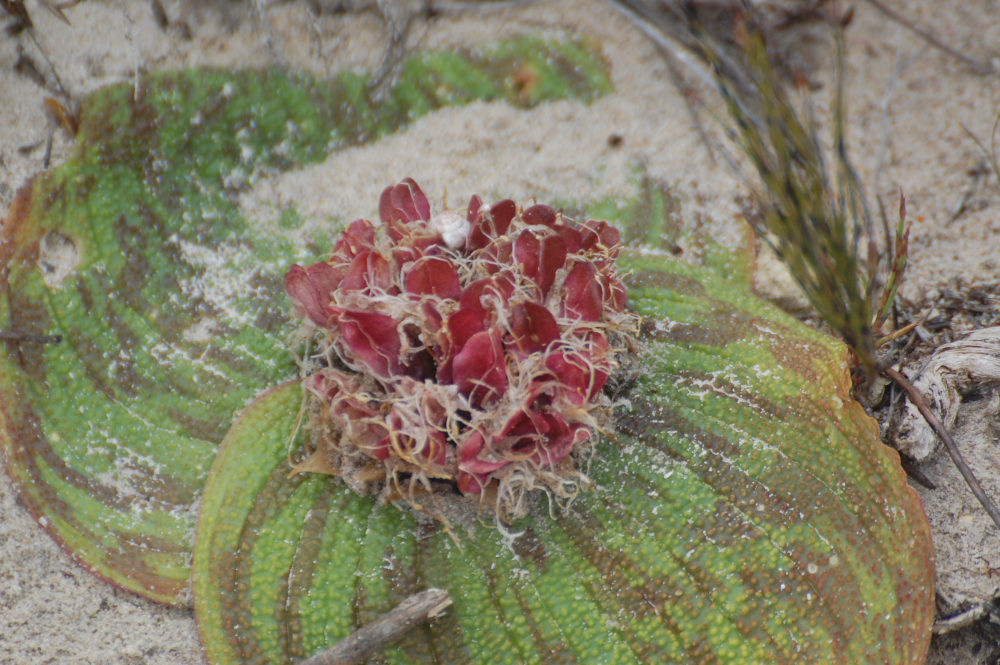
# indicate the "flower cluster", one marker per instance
pixel 466 350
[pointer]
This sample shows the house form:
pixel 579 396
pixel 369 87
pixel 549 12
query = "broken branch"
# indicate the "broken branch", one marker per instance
pixel 384 631
pixel 949 443
pixel 22 336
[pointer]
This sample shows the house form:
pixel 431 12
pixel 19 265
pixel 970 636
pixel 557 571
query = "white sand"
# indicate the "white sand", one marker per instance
pixel 908 104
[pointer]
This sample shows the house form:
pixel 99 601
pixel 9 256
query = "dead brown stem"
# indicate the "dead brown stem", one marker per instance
pixel 384 631
pixel 949 443
pixel 21 336
pixel 978 66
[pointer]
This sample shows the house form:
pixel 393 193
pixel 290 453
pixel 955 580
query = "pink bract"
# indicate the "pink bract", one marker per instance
pixel 476 363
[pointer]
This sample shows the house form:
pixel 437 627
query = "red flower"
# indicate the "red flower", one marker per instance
pixel 488 293
pixel 359 235
pixel 403 203
pixel 433 275
pixel 540 256
pixel 472 354
pixel 343 401
pixel 489 225
pixel 310 289
pixel 540 215
pixel 479 370
pixel 579 375
pixel 369 272
pixel 532 327
pixel 371 339
pixel 582 296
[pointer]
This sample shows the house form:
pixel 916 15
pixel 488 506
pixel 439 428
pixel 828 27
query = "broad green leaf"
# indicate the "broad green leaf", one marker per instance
pixel 746 513
pixel 169 303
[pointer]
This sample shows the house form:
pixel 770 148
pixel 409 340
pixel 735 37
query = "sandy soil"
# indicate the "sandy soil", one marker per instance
pixel 913 113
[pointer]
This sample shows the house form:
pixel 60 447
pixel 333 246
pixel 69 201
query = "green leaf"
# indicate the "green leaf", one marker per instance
pixel 746 513
pixel 169 303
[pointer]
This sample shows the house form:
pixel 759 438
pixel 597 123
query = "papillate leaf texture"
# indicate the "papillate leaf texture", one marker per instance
pixel 168 301
pixel 744 512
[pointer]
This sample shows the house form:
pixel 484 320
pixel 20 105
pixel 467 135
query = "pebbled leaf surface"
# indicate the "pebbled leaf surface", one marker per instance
pixel 169 303
pixel 747 513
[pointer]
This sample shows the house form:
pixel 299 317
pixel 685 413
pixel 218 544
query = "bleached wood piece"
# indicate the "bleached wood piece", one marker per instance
pixel 953 371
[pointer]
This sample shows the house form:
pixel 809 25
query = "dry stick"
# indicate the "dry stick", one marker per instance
pixel 979 66
pixel 949 443
pixel 473 5
pixel 385 630
pixel 398 18
pixel 21 336
pixel 960 620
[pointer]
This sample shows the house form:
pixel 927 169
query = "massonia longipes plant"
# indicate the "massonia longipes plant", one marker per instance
pixel 603 453
pixel 472 384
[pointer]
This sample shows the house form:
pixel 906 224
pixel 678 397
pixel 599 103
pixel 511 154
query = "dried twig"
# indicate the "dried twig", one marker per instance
pixel 978 66
pixel 949 443
pixel 34 338
pixel 961 620
pixel 384 631
pixel 432 6
pixel 991 152
pixel 23 24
